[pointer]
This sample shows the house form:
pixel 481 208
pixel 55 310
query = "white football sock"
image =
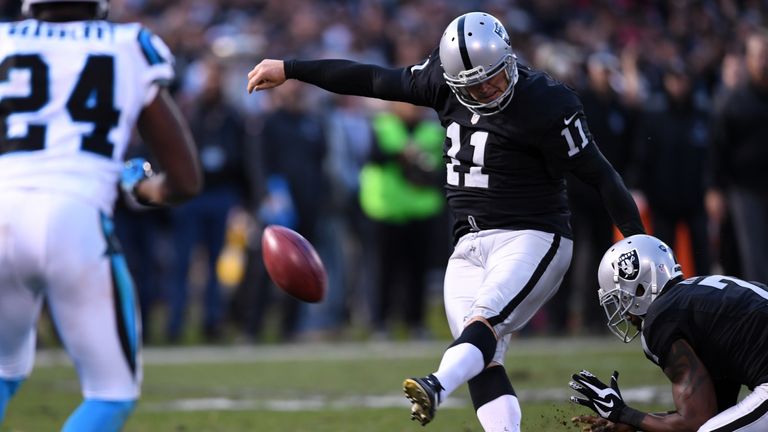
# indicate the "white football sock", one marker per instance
pixel 500 415
pixel 460 363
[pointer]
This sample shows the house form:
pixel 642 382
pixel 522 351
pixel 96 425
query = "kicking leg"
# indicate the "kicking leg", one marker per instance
pixel 465 358
pixel 498 279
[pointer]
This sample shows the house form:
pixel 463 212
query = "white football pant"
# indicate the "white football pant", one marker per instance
pixel 749 415
pixel 56 248
pixel 504 276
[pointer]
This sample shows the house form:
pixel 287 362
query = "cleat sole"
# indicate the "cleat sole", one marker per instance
pixel 421 405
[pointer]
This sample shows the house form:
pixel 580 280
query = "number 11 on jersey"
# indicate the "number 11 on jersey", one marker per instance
pixel 566 132
pixel 475 177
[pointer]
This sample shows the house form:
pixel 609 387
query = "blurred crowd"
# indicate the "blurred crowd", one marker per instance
pixel 675 93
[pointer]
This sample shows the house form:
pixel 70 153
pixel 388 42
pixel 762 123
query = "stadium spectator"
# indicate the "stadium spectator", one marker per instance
pixel 221 139
pixel 672 141
pixel 739 158
pixel 400 191
pixel 709 335
pixel 725 248
pixel 512 132
pixel 293 148
pixel 347 236
pixel 66 128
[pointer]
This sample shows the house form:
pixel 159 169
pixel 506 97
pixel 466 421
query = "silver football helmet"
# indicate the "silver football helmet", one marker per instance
pixel 475 48
pixel 26 5
pixel 631 275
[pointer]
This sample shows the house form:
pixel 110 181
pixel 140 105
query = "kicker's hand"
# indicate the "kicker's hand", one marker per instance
pixel 605 400
pixel 266 75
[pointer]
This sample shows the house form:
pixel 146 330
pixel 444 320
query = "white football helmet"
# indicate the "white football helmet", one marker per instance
pixel 26 5
pixel 474 48
pixel 631 275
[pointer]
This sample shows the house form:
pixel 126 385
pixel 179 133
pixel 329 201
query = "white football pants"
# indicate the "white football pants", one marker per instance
pixel 503 276
pixel 61 249
pixel 749 415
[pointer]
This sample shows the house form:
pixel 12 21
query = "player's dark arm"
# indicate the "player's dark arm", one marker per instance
pixel 352 78
pixel 598 172
pixel 167 134
pixel 692 391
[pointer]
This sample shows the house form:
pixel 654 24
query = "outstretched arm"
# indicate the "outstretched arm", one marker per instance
pixel 337 76
pixel 598 172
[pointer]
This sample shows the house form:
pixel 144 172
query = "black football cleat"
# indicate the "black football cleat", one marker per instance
pixel 424 394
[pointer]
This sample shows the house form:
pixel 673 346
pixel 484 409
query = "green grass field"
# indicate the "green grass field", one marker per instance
pixel 333 387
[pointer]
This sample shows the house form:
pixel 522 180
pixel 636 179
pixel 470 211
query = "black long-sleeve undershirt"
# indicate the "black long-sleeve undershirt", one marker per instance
pixel 351 78
pixel 598 173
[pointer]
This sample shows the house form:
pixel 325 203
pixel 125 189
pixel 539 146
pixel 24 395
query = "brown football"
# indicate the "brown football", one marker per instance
pixel 293 264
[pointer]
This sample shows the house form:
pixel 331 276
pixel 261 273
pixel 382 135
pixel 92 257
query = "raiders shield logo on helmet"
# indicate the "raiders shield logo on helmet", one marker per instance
pixel 499 30
pixel 629 265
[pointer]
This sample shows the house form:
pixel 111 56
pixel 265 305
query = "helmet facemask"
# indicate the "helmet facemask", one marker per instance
pixel 460 85
pixel 617 304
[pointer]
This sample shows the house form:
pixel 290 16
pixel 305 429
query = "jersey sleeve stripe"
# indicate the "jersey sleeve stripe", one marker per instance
pixel 149 50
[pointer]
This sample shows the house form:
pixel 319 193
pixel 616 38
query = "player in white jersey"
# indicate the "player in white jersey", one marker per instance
pixel 72 88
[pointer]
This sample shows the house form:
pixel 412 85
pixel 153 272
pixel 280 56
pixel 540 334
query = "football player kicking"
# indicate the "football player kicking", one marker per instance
pixel 512 133
pixel 73 87
pixel 709 334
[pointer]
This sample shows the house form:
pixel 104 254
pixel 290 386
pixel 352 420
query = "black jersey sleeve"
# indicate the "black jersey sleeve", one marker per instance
pixel 570 146
pixel 658 336
pixel 595 170
pixel 414 84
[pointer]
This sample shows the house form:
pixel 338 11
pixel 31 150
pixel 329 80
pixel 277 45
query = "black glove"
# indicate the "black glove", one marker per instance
pixel 604 400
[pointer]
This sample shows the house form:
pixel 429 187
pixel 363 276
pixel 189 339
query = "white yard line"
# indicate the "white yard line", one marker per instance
pixel 313 352
pixel 344 351
pixel 660 395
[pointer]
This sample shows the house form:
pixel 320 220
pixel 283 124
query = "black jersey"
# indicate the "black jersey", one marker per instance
pixel 504 170
pixel 724 320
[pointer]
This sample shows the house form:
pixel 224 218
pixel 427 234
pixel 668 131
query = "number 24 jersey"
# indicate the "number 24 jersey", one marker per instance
pixel 70 96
